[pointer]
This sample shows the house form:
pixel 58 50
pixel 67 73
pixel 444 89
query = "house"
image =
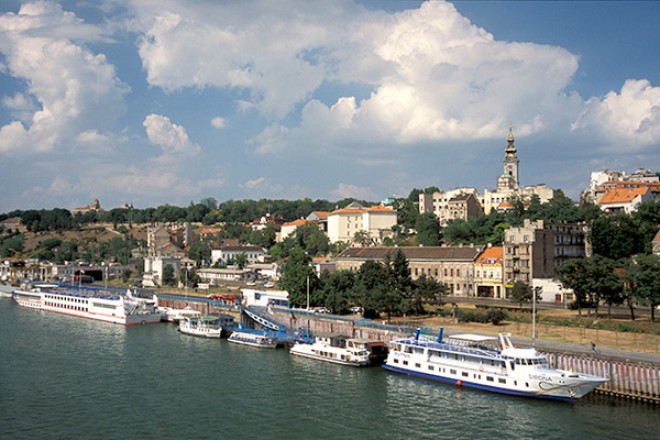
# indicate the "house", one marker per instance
pixel 489 273
pixel 289 228
pixel 624 197
pixel 374 222
pixel 219 276
pixel 227 254
pixel 321 219
pixel 453 266
pixel 262 222
pixel 459 203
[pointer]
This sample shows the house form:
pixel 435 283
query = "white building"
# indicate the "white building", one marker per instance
pixel 228 254
pixel 376 222
pixel 261 297
pixel 154 267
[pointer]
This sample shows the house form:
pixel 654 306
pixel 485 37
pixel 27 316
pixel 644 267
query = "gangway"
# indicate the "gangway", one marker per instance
pixel 264 319
pixel 276 330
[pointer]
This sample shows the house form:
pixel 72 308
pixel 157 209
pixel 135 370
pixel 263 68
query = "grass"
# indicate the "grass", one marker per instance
pixel 562 325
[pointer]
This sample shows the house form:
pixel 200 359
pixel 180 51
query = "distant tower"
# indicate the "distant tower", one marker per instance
pixel 510 177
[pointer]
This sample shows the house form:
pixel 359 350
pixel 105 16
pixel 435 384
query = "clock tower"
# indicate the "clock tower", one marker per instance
pixel 510 177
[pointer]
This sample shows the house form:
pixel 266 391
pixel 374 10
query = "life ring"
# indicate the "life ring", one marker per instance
pixel 459 383
pixel 481 368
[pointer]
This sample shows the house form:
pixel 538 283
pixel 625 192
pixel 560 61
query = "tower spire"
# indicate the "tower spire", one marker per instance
pixel 510 177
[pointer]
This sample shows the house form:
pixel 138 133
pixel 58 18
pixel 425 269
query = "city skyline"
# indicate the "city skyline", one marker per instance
pixel 168 102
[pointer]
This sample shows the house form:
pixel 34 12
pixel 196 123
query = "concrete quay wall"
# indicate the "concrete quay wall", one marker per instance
pixel 627 379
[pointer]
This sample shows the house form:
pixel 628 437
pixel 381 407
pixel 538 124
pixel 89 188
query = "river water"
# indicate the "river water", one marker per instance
pixel 64 377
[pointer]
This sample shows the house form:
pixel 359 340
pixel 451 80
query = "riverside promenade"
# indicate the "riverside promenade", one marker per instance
pixel 632 375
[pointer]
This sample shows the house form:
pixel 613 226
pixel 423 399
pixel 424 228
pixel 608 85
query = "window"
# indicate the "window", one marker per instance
pixel 501 380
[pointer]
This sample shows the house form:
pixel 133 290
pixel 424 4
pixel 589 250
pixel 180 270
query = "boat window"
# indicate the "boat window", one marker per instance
pixel 452 371
pixel 417 365
pixel 490 379
pixel 502 380
pixel 405 362
pixel 431 368
pixel 465 374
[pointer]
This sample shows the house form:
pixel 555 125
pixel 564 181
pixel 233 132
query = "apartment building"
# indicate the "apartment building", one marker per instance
pixel 459 203
pixel 453 266
pixel 533 252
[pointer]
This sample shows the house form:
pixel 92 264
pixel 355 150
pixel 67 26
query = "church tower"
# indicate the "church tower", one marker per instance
pixel 509 180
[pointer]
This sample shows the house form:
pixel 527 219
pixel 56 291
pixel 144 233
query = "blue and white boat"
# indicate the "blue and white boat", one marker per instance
pixel 253 337
pixel 469 360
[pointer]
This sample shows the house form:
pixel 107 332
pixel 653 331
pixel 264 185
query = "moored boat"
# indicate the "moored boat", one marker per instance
pixel 175 315
pixel 208 327
pixel 85 302
pixel 469 360
pixel 252 337
pixel 337 349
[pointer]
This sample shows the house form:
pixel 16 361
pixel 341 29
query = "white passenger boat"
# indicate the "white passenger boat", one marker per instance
pixel 467 360
pixel 90 303
pixel 176 315
pixel 339 350
pixel 209 327
pixel 252 337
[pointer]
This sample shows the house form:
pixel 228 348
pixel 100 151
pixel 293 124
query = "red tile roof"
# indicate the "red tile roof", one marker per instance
pixel 490 254
pixel 621 195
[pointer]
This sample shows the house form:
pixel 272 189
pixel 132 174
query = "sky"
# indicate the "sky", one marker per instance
pixel 154 102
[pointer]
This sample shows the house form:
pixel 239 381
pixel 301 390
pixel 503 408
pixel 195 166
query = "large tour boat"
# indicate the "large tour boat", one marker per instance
pixel 469 360
pixel 90 303
pixel 337 349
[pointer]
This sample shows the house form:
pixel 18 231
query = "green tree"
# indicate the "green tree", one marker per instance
pixel 644 280
pixel 615 237
pixel 521 293
pixel 428 230
pixel 574 274
pixel 336 289
pixel 169 276
pixel 370 287
pixel 200 252
pixel 241 260
pixel 427 290
pixel 296 272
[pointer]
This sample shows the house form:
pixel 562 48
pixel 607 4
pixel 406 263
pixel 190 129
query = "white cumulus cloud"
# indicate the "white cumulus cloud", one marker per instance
pixel 67 86
pixel 631 116
pixel 171 138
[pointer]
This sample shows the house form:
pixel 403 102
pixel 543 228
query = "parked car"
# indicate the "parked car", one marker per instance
pixel 321 310
pixel 355 309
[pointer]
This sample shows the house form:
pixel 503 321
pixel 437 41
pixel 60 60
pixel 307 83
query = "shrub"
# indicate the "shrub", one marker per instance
pixel 495 316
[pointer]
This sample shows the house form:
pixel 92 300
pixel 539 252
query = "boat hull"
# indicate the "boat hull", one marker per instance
pixel 67 306
pixel 313 356
pixel 252 340
pixel 517 372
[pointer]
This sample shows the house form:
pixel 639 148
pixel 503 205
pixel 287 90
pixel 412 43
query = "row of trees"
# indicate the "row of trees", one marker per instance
pixel 597 280
pixel 378 287
pixel 207 211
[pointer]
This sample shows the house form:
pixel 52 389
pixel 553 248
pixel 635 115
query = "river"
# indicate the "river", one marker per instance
pixel 70 378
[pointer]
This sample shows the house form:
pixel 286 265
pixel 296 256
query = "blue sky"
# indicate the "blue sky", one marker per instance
pixel 153 102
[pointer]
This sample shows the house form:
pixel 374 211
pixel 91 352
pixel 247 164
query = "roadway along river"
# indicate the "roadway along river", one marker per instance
pixel 64 377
